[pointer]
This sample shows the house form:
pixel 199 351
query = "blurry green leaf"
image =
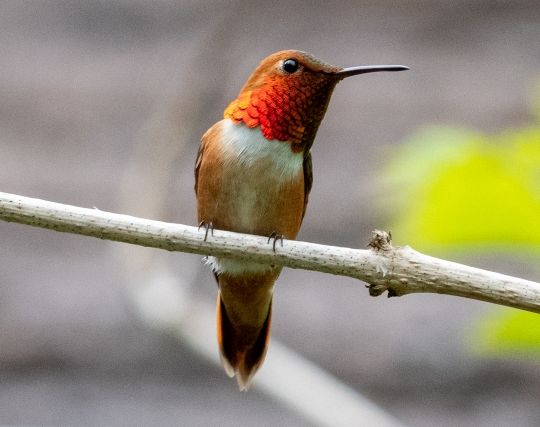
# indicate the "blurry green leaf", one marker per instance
pixel 455 189
pixel 508 331
pixel 460 189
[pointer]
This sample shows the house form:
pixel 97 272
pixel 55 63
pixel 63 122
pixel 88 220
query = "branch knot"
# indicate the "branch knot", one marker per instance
pixel 380 240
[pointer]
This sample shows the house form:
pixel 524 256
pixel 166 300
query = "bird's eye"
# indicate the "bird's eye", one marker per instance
pixel 290 66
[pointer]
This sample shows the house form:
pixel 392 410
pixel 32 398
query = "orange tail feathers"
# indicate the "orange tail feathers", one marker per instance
pixel 242 348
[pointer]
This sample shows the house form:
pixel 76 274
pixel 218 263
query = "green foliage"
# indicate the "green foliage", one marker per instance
pixel 508 331
pixel 460 190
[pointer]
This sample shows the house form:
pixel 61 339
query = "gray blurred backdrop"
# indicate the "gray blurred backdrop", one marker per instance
pixel 80 81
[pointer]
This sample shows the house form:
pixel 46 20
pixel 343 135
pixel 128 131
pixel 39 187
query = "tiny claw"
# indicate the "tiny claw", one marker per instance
pixel 276 237
pixel 208 226
pixel 392 293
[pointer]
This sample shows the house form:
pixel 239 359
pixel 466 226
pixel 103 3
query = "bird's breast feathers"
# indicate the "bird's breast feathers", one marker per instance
pixel 240 146
pixel 249 184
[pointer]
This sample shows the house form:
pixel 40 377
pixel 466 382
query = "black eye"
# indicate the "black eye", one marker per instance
pixel 290 65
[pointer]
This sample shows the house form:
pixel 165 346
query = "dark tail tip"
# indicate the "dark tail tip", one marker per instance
pixel 242 349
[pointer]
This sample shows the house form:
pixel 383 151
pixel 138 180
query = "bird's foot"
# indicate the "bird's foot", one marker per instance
pixel 208 227
pixel 275 237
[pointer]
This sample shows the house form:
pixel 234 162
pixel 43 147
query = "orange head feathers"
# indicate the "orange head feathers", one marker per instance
pixel 287 96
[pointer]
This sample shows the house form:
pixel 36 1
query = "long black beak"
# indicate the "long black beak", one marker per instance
pixel 353 71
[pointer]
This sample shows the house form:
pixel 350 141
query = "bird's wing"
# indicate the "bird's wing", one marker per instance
pixel 198 162
pixel 308 179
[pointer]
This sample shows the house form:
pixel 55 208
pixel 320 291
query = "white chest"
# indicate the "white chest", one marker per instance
pixel 248 148
pixel 254 171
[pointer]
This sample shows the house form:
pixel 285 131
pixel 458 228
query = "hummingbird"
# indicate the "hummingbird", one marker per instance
pixel 253 174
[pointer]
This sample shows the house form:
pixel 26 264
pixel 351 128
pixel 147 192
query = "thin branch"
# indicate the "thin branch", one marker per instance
pixel 398 270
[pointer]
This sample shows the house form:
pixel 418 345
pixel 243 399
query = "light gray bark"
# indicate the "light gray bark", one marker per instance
pixel 398 270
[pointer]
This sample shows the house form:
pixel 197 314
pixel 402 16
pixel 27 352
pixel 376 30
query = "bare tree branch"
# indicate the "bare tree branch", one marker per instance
pixel 398 270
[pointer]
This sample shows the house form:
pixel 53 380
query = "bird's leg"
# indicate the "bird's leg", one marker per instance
pixel 208 226
pixel 275 236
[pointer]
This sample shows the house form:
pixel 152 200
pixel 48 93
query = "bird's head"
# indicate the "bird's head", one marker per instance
pixel 288 93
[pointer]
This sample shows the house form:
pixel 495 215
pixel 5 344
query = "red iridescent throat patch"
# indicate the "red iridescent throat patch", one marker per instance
pixel 271 108
pixel 285 111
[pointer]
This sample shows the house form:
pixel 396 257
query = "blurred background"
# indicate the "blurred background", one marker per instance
pixel 102 103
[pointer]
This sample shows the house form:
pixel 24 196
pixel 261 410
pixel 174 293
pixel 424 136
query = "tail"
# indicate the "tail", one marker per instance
pixel 242 347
